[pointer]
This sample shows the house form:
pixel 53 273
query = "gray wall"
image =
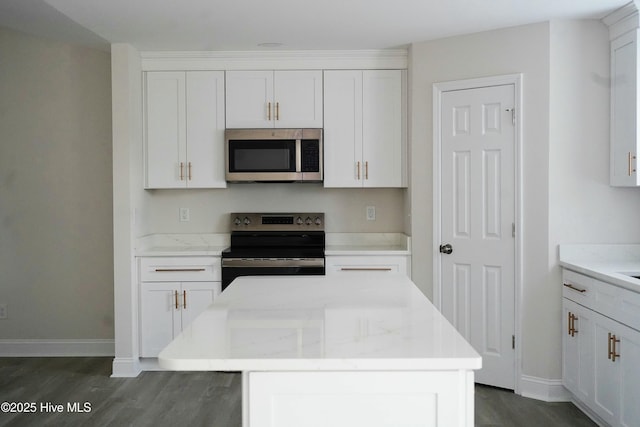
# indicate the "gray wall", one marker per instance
pixel 56 245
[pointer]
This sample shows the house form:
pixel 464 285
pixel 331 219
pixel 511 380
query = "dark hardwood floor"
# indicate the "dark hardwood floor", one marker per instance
pixel 191 398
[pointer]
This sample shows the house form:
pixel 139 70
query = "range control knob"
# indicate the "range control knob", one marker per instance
pixel 308 221
pixel 247 221
pixel 318 221
pixel 237 221
pixel 299 221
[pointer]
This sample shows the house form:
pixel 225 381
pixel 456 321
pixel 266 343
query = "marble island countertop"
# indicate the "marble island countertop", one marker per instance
pixel 203 244
pixel 614 264
pixel 328 323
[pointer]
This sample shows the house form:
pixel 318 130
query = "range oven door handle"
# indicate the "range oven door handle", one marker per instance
pixel 272 262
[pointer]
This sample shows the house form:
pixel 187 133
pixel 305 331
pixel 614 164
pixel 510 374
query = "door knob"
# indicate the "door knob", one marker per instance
pixel 446 249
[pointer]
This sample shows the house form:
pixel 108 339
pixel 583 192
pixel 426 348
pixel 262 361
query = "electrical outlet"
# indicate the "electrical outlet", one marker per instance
pixel 3 311
pixel 371 213
pixel 184 215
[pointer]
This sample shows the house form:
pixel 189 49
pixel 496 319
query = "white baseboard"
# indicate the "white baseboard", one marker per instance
pixel 125 367
pixel 56 348
pixel 543 389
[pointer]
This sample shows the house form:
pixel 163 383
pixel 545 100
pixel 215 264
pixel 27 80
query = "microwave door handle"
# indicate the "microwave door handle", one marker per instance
pixel 298 155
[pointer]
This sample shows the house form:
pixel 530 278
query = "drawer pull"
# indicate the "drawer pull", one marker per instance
pixel 570 286
pixel 366 269
pixel 173 270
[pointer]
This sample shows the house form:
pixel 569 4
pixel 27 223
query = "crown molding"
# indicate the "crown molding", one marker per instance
pixel 275 60
pixel 622 20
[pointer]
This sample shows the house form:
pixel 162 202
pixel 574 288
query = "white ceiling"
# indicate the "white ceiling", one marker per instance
pixel 297 24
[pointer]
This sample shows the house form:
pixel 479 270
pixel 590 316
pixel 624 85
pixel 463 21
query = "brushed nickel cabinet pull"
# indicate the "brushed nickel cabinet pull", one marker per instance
pixel 366 269
pixel 269 111
pixel 175 295
pixel 574 331
pixel 630 157
pixel 569 323
pixel 189 167
pixel 570 286
pixel 173 270
pixel 181 171
pixel 277 111
pixel 358 170
pixel 366 170
pixel 184 299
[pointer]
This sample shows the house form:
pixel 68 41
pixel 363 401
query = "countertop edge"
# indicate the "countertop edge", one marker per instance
pixel 608 276
pixel 320 365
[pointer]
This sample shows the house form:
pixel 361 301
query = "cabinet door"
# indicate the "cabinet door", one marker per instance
pixel 629 350
pixel 624 110
pixel 196 297
pixel 343 128
pixel 159 316
pixel 617 378
pixel 205 129
pixel 606 395
pixel 383 112
pixel 165 130
pixel 577 350
pixel 298 99
pixel 249 99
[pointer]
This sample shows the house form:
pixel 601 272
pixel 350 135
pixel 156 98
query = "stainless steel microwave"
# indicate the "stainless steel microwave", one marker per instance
pixel 273 155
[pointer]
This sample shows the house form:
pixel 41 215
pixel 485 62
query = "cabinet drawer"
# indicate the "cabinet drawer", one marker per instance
pixel 180 269
pixel 605 298
pixel 578 288
pixel 366 264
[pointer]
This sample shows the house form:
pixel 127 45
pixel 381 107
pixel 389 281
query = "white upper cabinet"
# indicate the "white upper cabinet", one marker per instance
pixel 184 129
pixel 623 32
pixel 268 99
pixel 624 110
pixel 365 128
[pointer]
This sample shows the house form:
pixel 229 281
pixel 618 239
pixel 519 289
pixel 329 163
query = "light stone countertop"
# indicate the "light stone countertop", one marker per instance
pixel 367 244
pixel 182 244
pixel 610 263
pixel 320 323
pixel 213 244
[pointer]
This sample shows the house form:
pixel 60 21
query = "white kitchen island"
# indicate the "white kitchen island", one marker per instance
pixel 333 351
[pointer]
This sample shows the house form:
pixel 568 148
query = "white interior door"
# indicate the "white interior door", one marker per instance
pixel 477 215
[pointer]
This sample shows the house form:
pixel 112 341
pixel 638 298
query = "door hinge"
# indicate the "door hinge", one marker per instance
pixel 513 229
pixel 513 342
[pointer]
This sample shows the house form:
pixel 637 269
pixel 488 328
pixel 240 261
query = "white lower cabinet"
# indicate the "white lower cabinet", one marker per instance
pixel 173 292
pixel 577 354
pixel 368 264
pixel 617 372
pixel 167 308
pixel 601 355
pixel 363 398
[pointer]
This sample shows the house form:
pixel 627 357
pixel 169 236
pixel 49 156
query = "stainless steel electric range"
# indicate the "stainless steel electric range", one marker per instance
pixel 274 244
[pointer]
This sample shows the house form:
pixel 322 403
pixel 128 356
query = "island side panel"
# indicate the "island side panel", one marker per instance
pixel 409 398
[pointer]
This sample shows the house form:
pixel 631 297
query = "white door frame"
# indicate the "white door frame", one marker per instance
pixel 438 89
